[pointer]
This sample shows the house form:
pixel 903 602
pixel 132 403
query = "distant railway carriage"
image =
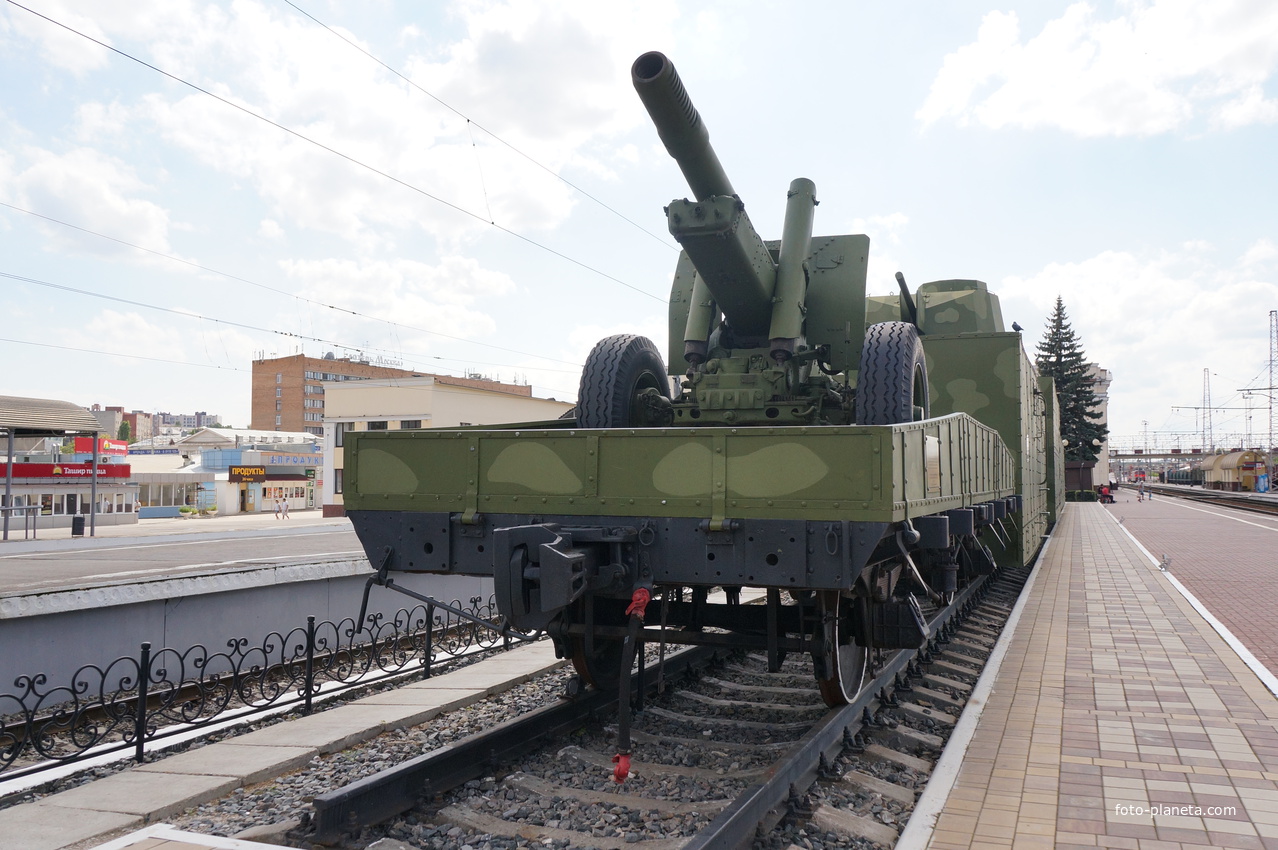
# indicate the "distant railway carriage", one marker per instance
pixel 1236 471
pixel 1189 476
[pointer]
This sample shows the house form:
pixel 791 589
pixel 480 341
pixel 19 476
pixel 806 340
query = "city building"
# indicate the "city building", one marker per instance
pixel 48 486
pixel 227 470
pixel 423 402
pixel 185 421
pixel 289 392
pixel 1084 475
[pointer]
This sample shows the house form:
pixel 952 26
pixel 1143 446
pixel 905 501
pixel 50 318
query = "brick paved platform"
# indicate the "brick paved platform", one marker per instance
pixel 1226 557
pixel 1117 698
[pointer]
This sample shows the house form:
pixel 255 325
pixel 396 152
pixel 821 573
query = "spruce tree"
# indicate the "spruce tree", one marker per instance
pixel 1060 355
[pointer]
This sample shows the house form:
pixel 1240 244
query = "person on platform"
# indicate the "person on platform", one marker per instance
pixel 277 509
pixel 284 502
pixel 1105 497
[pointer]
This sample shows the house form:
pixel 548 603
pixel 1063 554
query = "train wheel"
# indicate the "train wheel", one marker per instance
pixel 841 671
pixel 601 666
pixel 619 372
pixel 891 386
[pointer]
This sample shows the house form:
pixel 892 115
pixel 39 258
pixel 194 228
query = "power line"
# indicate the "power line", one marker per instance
pixel 130 356
pixel 285 293
pixel 338 153
pixel 472 122
pixel 200 365
pixel 191 315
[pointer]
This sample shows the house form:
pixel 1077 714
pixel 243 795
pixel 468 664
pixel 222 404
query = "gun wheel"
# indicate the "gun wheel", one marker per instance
pixel 891 386
pixel 620 371
pixel 841 669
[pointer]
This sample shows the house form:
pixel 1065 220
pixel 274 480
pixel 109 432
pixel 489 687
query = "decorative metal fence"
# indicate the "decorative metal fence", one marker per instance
pixel 134 701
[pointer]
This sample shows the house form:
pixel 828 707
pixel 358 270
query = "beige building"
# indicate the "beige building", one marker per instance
pixel 422 402
pixel 1101 379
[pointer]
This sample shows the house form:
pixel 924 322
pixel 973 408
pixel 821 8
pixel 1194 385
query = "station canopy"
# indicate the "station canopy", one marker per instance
pixel 41 417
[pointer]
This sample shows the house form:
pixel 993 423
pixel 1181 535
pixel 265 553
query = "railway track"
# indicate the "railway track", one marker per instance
pixel 728 755
pixel 1254 502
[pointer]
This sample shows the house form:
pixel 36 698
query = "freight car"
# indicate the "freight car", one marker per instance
pixel 1188 476
pixel 851 467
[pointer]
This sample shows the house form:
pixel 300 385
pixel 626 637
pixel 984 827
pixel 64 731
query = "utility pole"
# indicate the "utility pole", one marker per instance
pixel 1273 355
pixel 1207 435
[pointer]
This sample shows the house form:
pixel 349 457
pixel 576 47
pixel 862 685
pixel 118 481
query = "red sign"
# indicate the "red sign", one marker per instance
pixel 84 445
pixel 67 471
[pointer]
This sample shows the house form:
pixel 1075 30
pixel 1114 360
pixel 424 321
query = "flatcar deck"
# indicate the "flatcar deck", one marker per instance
pixel 1120 717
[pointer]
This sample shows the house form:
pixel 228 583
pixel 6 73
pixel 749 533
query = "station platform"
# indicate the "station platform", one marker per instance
pixel 1118 715
pixel 120 809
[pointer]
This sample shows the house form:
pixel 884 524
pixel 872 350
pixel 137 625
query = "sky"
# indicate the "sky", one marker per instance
pixel 473 186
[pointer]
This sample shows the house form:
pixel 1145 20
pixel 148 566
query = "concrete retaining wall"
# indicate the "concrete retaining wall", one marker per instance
pixel 56 633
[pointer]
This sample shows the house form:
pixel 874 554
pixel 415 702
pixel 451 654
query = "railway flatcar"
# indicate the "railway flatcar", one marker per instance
pixel 850 456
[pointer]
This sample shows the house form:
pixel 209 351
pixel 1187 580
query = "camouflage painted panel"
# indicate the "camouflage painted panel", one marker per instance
pixel 958 306
pixel 818 473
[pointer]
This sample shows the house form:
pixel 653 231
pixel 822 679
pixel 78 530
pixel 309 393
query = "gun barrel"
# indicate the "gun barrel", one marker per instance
pixel 679 125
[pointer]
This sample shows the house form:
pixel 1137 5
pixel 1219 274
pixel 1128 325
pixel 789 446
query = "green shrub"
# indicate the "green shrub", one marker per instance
pixel 1081 496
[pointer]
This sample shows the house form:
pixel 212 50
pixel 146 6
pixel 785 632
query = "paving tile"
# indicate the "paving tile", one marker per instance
pixel 229 758
pixel 1115 692
pixel 44 826
pixel 153 796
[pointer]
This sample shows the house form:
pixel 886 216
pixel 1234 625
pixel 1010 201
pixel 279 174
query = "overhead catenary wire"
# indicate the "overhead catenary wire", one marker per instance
pixel 472 122
pixel 192 315
pixel 103 353
pixel 347 157
pixel 286 293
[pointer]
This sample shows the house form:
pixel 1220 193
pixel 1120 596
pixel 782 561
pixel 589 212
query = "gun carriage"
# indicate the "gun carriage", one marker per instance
pixel 850 455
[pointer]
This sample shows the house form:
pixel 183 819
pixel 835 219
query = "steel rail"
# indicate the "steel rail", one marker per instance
pixel 1252 502
pixel 764 804
pixel 383 795
pixel 388 793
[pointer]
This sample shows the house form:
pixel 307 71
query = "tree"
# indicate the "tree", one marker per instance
pixel 1060 356
pixel 124 432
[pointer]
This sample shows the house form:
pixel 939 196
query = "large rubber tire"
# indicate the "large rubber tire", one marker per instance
pixel 892 382
pixel 618 368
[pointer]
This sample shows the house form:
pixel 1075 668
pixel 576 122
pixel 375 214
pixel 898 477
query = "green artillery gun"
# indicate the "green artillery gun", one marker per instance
pixel 849 455
pixel 771 333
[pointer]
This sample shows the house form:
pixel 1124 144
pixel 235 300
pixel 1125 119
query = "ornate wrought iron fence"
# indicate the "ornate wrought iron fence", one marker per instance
pixel 133 701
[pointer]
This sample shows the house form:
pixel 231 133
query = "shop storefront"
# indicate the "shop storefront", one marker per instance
pixel 55 492
pixel 262 488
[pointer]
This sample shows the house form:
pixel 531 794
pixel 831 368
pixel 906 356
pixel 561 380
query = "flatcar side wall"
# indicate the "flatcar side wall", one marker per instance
pixel 866 473
pixel 990 377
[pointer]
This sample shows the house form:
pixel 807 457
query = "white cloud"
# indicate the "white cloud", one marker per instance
pixel 444 299
pixel 1156 321
pixel 1154 68
pixel 93 191
pixel 544 77
pixel 129 333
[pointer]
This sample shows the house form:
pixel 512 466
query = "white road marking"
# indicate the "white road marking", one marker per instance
pixel 167 543
pixel 217 564
pixel 1180 504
